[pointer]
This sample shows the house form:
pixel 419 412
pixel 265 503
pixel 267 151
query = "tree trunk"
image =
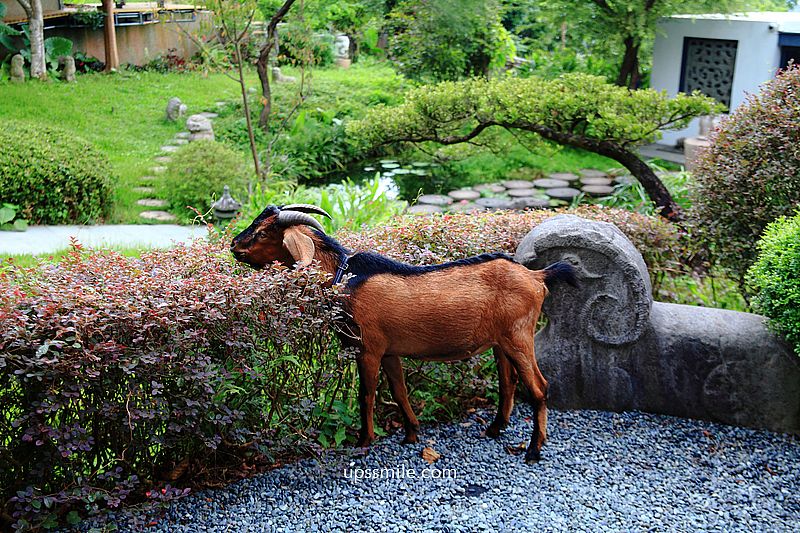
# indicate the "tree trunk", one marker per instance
pixel 243 87
pixel 629 70
pixel 262 65
pixel 110 37
pixel 33 8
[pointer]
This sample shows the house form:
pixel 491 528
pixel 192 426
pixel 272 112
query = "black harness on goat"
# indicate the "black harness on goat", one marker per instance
pixel 340 270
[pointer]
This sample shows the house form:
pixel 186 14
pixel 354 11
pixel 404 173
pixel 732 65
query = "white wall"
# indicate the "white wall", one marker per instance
pixel 757 58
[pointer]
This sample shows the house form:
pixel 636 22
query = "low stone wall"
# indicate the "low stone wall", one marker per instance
pixel 608 346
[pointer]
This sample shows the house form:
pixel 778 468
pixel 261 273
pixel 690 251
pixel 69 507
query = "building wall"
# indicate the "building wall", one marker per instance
pixel 138 45
pixel 757 58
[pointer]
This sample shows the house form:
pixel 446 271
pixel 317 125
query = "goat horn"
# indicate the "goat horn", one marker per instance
pixel 294 218
pixel 306 208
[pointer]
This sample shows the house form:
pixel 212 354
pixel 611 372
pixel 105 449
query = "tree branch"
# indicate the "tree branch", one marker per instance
pixel 26 5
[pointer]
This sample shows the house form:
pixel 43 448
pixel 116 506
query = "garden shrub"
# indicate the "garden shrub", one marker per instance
pixel 750 175
pixel 775 278
pixel 117 374
pixel 52 176
pixel 197 174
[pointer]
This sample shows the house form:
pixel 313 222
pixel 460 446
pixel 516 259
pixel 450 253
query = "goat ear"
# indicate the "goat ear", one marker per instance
pixel 300 245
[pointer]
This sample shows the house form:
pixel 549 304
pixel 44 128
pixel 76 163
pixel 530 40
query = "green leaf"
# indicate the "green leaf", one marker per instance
pixel 73 518
pixel 6 214
pixel 20 225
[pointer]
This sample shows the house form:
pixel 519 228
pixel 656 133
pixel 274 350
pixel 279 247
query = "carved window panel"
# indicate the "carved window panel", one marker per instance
pixel 708 66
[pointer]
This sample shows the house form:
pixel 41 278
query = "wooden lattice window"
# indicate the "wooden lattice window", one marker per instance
pixel 708 66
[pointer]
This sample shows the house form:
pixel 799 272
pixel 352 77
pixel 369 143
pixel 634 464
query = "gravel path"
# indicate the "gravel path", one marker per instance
pixel 599 472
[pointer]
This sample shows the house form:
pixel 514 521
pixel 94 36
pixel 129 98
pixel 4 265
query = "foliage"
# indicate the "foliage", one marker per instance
pixel 169 61
pixel 197 174
pixel 120 375
pixel 54 47
pixel 632 196
pixel 52 175
pixel 6 31
pixel 775 278
pixel 572 105
pixel 9 219
pixel 447 39
pixel 94 20
pixel 351 205
pixel 750 175
pixel 299 46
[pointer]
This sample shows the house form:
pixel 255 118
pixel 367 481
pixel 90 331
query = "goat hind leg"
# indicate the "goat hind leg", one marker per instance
pixel 393 369
pixel 507 377
pixel 520 351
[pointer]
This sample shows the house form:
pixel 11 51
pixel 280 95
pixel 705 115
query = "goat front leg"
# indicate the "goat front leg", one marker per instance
pixel 369 365
pixel 393 369
pixel 519 350
pixel 508 385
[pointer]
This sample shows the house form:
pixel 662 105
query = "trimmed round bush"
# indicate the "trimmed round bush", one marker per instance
pixel 53 176
pixel 197 174
pixel 750 175
pixel 775 278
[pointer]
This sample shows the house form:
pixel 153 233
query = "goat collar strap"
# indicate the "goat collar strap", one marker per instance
pixel 340 270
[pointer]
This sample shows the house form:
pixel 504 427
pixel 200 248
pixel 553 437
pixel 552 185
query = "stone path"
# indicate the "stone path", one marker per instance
pixel 50 239
pixel 556 189
pixel 157 206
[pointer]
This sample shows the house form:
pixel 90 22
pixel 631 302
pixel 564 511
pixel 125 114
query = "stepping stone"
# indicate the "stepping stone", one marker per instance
pixel 592 173
pixel 152 202
pixel 517 193
pixel 493 203
pixel 495 188
pixel 143 190
pixel 517 184
pixel 598 190
pixel 465 207
pixel 596 181
pixel 625 179
pixel 529 203
pixel 614 172
pixel 424 209
pixel 549 183
pixel 434 199
pixel 563 176
pixel 180 141
pixel 464 194
pixel 163 159
pixel 182 135
pixel 220 103
pixel 161 216
pixel 170 148
pixel 158 170
pixel 208 114
pixel 148 178
pixel 562 193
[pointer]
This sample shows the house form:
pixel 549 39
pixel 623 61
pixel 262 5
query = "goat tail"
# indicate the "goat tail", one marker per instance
pixel 559 271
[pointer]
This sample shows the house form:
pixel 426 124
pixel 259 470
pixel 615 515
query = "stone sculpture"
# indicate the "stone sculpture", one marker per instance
pixel 607 345
pixel 278 77
pixel 175 109
pixel 17 69
pixel 68 74
pixel 200 128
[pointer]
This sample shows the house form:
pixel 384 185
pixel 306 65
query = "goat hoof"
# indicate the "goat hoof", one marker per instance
pixel 493 431
pixel 411 438
pixel 532 457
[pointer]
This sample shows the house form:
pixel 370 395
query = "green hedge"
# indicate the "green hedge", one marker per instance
pixel 53 176
pixel 775 278
pixel 198 172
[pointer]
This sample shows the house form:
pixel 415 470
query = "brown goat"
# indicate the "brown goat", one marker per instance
pixel 445 312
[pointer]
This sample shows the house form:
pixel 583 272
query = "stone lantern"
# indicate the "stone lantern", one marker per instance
pixel 226 207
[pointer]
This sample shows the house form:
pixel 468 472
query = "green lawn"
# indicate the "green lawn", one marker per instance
pixel 122 114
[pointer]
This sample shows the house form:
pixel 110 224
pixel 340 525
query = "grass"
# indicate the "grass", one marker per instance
pixel 29 260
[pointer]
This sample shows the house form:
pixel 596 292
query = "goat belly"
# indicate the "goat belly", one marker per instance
pixel 447 315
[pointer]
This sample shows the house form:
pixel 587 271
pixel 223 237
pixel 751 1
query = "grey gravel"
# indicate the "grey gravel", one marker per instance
pixel 600 471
